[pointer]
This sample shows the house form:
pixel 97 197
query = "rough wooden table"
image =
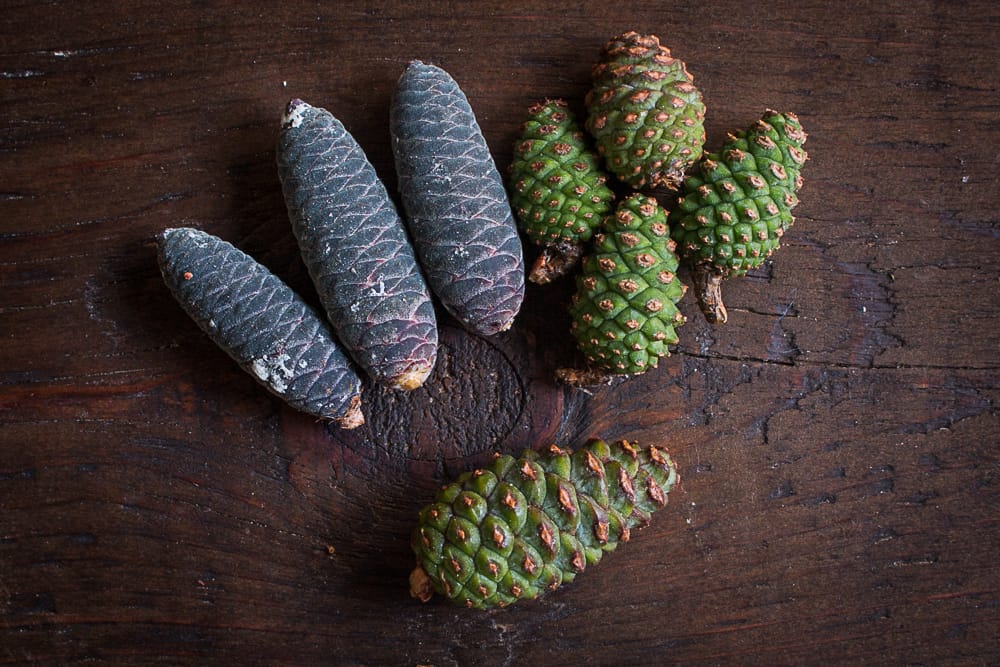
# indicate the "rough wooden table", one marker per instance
pixel 837 439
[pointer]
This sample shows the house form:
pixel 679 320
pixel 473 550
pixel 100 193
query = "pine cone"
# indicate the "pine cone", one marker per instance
pixel 557 189
pixel 645 113
pixel 524 526
pixel 355 246
pixel 737 203
pixel 457 209
pixel 261 323
pixel 624 310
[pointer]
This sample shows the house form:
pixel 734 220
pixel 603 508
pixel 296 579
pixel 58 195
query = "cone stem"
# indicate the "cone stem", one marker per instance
pixel 584 377
pixel 555 261
pixel 708 290
pixel 420 584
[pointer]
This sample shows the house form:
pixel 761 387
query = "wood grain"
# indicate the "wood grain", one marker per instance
pixel 837 439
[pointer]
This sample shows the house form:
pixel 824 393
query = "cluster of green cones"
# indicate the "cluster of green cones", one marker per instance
pixel 720 213
pixel 621 200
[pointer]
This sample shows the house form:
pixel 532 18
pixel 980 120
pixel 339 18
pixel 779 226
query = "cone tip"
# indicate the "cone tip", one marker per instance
pixel 353 418
pixel 413 377
pixel 294 113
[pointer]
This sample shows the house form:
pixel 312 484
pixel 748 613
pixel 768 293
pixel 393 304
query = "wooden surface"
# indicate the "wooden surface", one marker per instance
pixel 837 439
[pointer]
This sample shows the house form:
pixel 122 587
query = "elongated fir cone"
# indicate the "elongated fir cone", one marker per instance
pixel 624 310
pixel 456 205
pixel 524 526
pixel 356 249
pixel 261 323
pixel 557 188
pixel 736 204
pixel 645 113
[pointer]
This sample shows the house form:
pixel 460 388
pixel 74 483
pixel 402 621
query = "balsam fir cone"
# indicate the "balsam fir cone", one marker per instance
pixel 261 323
pixel 521 527
pixel 356 249
pixel 557 188
pixel 457 209
pixel 645 113
pixel 624 310
pixel 737 203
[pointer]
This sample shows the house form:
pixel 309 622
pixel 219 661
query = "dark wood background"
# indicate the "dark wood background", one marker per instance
pixel 837 439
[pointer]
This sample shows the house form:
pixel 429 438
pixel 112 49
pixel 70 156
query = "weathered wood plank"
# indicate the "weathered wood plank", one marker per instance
pixel 836 439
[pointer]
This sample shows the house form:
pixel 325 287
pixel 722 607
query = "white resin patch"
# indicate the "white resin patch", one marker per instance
pixel 295 115
pixel 274 371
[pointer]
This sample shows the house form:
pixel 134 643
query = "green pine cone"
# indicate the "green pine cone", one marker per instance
pixel 624 311
pixel 737 203
pixel 735 206
pixel 645 113
pixel 524 526
pixel 557 188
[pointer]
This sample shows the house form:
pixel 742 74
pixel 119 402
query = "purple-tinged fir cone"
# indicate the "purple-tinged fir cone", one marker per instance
pixel 355 246
pixel 456 204
pixel 261 323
